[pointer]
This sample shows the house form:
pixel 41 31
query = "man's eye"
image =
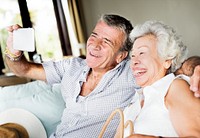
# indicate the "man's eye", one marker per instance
pixel 106 42
pixel 93 35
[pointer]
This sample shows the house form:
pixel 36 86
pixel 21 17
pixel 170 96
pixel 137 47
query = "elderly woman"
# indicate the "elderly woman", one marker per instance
pixel 164 106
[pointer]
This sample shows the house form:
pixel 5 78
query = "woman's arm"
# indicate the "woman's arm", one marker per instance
pixel 184 109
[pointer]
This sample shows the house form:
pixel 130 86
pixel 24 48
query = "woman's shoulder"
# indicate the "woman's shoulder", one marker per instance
pixel 183 107
pixel 179 89
pixel 179 85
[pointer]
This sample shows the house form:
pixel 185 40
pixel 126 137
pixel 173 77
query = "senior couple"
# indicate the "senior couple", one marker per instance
pixel 108 79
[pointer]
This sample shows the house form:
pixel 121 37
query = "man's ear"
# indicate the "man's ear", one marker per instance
pixel 167 64
pixel 121 56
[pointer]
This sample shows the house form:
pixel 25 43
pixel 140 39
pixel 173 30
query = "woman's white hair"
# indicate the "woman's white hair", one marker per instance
pixel 169 44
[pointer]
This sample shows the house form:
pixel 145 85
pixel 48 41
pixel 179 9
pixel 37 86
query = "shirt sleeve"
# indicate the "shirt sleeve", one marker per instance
pixel 55 70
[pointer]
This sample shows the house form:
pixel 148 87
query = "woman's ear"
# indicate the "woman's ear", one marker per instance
pixel 167 64
pixel 121 56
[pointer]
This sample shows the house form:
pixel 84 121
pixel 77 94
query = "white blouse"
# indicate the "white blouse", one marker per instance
pixel 153 118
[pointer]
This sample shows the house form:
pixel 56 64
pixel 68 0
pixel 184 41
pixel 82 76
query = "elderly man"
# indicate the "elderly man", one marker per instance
pixel 91 88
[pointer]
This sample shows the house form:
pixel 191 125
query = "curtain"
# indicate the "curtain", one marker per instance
pixel 74 13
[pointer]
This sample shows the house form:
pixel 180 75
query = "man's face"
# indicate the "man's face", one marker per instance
pixel 103 46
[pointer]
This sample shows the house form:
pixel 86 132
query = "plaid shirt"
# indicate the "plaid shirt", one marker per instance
pixel 84 117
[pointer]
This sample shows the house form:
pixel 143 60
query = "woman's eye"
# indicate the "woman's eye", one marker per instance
pixel 132 55
pixel 141 53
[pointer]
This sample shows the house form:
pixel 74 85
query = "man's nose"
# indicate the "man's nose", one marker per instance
pixel 97 44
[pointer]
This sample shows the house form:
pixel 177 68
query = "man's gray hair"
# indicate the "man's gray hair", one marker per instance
pixel 169 44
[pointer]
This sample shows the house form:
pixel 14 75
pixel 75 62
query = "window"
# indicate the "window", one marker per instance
pixel 44 21
pixel 46 33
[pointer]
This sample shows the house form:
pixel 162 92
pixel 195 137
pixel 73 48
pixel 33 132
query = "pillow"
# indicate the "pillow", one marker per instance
pixel 42 100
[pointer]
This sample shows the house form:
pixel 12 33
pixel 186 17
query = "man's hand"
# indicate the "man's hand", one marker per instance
pixel 10 29
pixel 195 81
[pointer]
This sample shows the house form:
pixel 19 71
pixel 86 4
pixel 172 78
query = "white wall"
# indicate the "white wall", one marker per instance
pixel 183 15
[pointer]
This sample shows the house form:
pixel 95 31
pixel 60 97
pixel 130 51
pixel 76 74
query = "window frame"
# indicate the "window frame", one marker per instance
pixel 62 28
pixel 61 25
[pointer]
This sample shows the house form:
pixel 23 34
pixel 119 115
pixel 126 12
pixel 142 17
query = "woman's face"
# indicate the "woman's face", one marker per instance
pixel 146 65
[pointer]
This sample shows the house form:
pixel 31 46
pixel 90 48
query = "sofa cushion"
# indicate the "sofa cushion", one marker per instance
pixel 42 100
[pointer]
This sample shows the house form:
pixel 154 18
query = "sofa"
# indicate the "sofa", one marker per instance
pixel 43 100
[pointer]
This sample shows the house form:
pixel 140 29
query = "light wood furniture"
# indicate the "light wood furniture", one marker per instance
pixel 12 80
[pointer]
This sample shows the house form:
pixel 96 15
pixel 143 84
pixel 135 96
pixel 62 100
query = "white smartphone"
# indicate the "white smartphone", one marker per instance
pixel 23 39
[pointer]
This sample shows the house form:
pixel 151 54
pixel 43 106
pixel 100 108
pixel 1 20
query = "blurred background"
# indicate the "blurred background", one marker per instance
pixel 63 26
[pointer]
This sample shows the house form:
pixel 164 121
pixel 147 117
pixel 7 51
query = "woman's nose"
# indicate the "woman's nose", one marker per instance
pixel 135 61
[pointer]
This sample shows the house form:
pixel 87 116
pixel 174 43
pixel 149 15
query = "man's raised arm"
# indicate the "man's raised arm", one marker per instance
pixel 17 62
